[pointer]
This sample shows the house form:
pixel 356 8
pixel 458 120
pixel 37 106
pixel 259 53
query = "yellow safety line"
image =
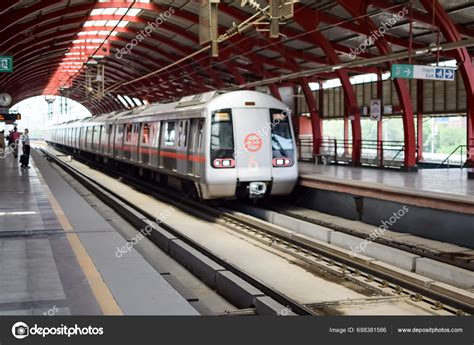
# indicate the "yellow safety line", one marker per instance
pixel 101 292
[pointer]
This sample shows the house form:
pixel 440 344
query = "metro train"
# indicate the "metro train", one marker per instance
pixel 216 145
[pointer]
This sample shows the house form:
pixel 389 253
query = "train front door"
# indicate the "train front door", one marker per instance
pixel 195 158
pixel 252 136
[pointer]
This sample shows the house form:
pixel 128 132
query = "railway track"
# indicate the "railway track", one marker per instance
pixel 140 219
pixel 458 259
pixel 318 256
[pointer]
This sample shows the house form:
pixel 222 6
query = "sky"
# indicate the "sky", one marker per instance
pixel 36 116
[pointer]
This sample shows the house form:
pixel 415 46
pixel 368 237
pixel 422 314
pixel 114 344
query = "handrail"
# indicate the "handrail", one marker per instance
pixel 451 154
pixel 340 150
pixel 399 151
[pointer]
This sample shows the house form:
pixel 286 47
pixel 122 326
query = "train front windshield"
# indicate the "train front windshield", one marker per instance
pixel 282 141
pixel 222 137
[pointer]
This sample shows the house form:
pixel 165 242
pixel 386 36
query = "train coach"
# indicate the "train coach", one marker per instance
pixel 216 145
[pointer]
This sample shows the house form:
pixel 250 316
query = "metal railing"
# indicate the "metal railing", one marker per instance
pixel 469 153
pixel 336 151
pixel 305 149
pixel 388 153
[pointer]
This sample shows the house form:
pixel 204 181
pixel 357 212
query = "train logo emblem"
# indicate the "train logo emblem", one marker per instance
pixel 253 142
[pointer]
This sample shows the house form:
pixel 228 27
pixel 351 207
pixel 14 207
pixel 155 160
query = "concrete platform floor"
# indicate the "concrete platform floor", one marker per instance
pixel 52 258
pixel 428 182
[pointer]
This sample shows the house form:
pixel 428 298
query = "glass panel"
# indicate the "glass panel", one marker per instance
pixel 170 133
pixel 222 135
pixel 282 141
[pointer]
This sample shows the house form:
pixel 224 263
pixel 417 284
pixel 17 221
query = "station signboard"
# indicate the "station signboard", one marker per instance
pixel 406 71
pixel 9 118
pixel 376 109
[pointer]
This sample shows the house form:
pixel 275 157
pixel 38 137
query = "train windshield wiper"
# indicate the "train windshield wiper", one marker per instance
pixel 281 149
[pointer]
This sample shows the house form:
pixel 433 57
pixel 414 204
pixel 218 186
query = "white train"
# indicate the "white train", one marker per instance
pixel 216 145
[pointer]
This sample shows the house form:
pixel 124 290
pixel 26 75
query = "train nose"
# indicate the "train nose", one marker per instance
pixel 257 190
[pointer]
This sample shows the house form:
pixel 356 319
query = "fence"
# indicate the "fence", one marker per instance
pixel 339 151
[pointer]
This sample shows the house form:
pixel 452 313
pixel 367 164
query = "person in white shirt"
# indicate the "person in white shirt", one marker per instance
pixel 25 141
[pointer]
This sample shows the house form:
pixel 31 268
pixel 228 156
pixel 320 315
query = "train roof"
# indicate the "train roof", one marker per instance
pixel 187 105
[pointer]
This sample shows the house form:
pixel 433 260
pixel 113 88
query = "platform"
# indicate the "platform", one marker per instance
pixel 446 189
pixel 57 254
pixel 436 199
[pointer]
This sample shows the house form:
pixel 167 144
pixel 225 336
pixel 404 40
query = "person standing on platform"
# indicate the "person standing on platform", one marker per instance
pixel 9 138
pixel 2 142
pixel 25 141
pixel 15 141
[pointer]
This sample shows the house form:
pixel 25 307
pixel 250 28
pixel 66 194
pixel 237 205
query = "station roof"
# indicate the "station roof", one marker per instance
pixel 51 40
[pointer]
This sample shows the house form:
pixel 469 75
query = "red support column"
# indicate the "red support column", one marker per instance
pixel 451 34
pixel 295 118
pixel 380 122
pixel 321 106
pixel 315 118
pixel 309 20
pixel 346 129
pixel 419 118
pixel 470 143
pixel 358 8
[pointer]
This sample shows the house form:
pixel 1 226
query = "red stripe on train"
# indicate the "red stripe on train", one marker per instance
pixel 154 152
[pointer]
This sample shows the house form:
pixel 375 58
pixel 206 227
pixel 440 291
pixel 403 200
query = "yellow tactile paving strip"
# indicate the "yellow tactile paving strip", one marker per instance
pixel 101 292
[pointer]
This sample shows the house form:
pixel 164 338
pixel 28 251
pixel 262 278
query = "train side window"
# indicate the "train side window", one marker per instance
pixel 180 132
pixel 200 132
pixel 169 133
pixel 155 134
pixel 95 137
pixel 104 138
pixel 145 133
pixel 119 129
pixel 136 133
pixel 183 133
pixel 128 133
pixel 99 139
pixel 109 141
pixel 87 136
pixel 90 137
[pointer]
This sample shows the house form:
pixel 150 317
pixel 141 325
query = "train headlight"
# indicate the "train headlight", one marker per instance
pixel 223 163
pixel 282 162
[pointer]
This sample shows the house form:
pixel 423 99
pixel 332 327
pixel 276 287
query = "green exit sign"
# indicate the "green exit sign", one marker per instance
pixel 402 71
pixel 405 71
pixel 6 64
